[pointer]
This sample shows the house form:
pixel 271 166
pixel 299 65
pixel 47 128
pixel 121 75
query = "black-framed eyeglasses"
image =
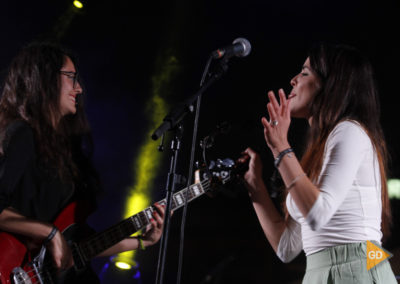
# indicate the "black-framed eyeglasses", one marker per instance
pixel 72 75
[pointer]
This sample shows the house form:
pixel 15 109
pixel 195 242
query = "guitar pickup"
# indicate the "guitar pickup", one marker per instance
pixel 79 260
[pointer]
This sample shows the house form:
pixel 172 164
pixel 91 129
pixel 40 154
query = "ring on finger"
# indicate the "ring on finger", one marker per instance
pixel 274 123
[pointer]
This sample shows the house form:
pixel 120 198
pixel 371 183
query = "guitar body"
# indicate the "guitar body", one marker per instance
pixel 71 222
pixel 13 253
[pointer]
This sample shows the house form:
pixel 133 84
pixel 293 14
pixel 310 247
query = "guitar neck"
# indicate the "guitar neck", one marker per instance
pixel 103 240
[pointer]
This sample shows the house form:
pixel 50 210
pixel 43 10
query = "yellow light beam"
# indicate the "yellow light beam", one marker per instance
pixel 123 265
pixel 78 4
pixel 149 159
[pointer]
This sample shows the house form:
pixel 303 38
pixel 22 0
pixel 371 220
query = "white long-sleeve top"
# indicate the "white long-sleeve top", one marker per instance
pixel 348 208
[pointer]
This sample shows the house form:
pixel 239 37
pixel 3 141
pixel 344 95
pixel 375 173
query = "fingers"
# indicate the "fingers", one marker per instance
pixel 249 154
pixel 67 259
pixel 276 110
pixel 282 100
pixel 281 107
pixel 285 110
pixel 264 122
pixel 272 113
pixel 62 255
pixel 244 158
pixel 251 158
pixel 273 101
pixel 267 125
pixel 158 215
pixel 153 224
pixel 160 208
pixel 158 219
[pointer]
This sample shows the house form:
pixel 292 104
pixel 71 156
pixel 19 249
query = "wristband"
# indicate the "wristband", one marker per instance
pixel 281 155
pixel 51 235
pixel 141 245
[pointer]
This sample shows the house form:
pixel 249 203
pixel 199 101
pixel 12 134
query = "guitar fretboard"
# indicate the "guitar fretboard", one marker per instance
pixel 101 241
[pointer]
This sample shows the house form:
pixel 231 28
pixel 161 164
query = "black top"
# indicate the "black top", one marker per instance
pixel 34 190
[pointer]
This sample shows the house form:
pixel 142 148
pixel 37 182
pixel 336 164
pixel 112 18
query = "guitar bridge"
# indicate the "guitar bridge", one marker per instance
pixel 20 276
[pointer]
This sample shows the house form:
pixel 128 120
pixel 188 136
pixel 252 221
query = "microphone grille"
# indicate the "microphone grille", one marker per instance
pixel 246 46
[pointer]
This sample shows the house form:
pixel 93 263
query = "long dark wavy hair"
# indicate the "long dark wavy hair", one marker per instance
pixel 31 93
pixel 349 91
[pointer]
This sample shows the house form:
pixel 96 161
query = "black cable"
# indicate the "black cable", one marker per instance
pixel 189 180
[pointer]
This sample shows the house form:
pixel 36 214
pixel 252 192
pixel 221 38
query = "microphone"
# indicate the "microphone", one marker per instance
pixel 240 47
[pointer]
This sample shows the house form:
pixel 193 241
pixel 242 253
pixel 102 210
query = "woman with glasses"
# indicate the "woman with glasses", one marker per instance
pixel 336 195
pixel 43 164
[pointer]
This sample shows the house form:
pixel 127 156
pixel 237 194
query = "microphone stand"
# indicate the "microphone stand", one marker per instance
pixel 171 180
pixel 173 122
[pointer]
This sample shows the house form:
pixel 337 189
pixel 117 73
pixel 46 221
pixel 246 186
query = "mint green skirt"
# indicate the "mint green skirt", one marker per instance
pixel 346 264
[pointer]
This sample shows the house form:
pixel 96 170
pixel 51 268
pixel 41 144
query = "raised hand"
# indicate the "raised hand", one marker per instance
pixel 276 130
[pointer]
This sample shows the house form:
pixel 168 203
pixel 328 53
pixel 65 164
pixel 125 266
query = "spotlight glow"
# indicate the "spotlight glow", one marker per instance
pixel 146 167
pixel 123 265
pixel 78 4
pixel 394 188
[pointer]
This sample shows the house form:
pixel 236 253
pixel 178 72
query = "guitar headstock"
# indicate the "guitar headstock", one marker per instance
pixel 219 173
pixel 219 169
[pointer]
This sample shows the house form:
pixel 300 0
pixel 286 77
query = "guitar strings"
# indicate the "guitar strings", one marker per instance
pixel 45 275
pixel 115 232
pixel 91 246
pixel 42 275
pixel 45 263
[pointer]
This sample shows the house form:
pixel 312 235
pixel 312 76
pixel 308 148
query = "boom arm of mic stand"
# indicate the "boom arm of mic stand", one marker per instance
pixel 180 111
pixel 172 119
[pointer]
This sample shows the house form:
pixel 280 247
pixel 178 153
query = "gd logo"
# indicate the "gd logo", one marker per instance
pixel 375 255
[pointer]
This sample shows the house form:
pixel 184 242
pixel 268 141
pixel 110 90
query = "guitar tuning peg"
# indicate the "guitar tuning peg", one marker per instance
pixel 212 165
pixel 229 163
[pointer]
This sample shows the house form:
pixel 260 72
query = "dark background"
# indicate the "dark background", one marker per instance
pixel 123 45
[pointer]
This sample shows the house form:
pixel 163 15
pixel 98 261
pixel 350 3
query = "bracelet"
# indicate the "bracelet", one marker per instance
pixel 141 245
pixel 295 180
pixel 281 155
pixel 51 235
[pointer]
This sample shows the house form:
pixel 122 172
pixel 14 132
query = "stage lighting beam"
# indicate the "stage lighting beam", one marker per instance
pixel 148 162
pixel 394 188
pixel 78 4
pixel 123 265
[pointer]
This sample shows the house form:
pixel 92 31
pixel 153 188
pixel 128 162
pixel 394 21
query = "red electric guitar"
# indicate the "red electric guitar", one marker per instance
pixel 20 266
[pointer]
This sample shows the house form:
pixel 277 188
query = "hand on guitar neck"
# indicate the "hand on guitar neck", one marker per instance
pixel 151 236
pixel 155 229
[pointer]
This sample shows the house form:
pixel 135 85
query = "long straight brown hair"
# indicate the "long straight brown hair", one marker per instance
pixel 348 91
